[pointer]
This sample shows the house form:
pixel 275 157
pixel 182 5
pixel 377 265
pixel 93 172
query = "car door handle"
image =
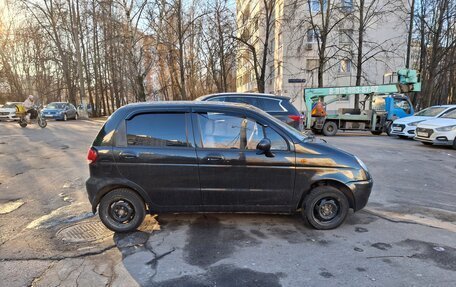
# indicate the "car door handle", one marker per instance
pixel 128 155
pixel 215 158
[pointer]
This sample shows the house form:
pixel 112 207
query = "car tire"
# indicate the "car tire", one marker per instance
pixel 403 137
pixel 388 128
pixel 426 143
pixel 454 143
pixel 76 116
pixel 376 133
pixel 325 207
pixel 122 210
pixel 65 117
pixel 329 128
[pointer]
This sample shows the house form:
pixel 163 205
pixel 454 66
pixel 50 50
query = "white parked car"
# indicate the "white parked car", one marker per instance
pixel 8 111
pixel 405 127
pixel 439 131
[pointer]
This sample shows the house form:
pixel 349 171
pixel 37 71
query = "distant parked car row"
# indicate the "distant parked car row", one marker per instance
pixel 432 126
pixel 56 110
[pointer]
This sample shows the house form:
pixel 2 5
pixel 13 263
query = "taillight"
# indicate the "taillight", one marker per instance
pixel 92 155
pixel 296 118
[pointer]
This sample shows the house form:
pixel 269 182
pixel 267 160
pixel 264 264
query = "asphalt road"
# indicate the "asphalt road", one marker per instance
pixel 48 236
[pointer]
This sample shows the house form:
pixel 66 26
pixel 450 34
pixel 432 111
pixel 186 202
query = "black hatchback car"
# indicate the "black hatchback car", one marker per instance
pixel 217 157
pixel 277 106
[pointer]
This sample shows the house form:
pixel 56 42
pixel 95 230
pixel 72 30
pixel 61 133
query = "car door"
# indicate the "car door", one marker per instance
pixel 73 110
pixel 232 175
pixel 158 154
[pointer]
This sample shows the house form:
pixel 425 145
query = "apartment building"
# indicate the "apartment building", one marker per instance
pixel 293 52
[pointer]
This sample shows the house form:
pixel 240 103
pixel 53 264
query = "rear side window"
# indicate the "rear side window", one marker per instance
pixel 271 105
pixel 157 130
pixel 216 99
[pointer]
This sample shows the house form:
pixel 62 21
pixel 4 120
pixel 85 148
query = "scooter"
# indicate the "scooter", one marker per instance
pixel 35 117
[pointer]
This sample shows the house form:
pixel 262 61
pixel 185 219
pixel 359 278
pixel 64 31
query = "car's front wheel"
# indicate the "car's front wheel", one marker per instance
pixel 325 207
pixel 122 210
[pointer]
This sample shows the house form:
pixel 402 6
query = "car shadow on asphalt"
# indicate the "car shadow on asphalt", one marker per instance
pixel 209 248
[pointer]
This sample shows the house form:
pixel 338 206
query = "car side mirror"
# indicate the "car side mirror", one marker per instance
pixel 264 147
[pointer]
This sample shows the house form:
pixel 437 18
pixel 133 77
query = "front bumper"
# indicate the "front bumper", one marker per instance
pixel 53 116
pixel 403 130
pixel 438 138
pixel 10 117
pixel 361 191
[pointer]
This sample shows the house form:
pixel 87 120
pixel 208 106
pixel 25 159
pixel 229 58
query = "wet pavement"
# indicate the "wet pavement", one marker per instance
pixel 49 237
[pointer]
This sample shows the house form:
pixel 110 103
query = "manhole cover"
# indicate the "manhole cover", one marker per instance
pixel 88 231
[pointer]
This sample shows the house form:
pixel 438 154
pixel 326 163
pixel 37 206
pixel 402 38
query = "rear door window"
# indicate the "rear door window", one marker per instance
pixel 157 130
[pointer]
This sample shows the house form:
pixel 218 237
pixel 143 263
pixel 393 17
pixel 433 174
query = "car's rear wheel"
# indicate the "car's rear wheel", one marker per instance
pixel 65 117
pixel 122 210
pixel 325 207
pixel 330 128
pixel 427 143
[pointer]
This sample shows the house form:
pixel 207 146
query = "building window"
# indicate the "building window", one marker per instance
pixel 316 5
pixel 345 36
pixel 347 5
pixel 312 36
pixel 345 66
pixel 312 64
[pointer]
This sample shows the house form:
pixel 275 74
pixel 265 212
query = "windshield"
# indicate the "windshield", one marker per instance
pixel 57 106
pixel 378 104
pixel 430 112
pixel 450 115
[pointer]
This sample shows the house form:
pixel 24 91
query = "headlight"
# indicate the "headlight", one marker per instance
pixel 446 129
pixel 361 163
pixel 414 124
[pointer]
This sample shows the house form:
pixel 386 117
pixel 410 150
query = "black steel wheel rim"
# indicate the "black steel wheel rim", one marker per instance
pixel 122 211
pixel 326 209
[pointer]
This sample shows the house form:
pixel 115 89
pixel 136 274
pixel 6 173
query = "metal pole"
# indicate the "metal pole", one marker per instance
pixel 409 41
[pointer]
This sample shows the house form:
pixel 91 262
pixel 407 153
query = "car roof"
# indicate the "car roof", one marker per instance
pixel 164 104
pixel 236 94
pixel 444 106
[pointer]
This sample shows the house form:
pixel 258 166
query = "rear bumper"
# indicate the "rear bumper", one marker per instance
pixel 361 191
pixel 93 186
